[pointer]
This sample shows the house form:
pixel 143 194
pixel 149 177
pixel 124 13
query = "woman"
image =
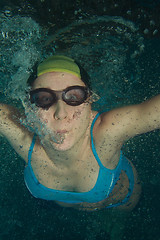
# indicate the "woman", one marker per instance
pixel 75 156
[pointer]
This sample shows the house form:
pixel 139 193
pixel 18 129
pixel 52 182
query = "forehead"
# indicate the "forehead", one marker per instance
pixel 57 80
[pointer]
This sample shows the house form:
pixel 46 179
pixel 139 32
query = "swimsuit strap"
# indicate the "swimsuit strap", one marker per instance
pixel 31 149
pixel 92 141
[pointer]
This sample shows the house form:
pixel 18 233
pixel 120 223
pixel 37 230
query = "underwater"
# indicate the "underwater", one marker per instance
pixel 118 43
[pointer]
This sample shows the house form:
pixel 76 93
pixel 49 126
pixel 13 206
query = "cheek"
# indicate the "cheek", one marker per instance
pixel 81 112
pixel 81 118
pixel 77 114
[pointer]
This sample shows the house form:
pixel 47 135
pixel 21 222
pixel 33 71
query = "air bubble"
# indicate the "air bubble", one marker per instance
pixel 155 32
pixel 7 13
pixel 129 12
pixel 152 23
pixel 146 31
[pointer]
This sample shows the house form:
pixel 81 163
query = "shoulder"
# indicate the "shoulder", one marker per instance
pixel 124 122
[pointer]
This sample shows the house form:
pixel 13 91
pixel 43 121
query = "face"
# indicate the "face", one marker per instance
pixel 61 124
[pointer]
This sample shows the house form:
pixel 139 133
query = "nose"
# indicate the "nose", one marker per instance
pixel 60 111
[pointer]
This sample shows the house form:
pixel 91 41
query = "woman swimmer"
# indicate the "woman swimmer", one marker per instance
pixel 75 157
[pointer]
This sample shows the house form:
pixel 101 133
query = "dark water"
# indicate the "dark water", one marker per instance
pixel 21 215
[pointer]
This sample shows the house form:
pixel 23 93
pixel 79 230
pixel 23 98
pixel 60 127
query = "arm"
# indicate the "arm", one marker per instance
pixel 129 121
pixel 10 128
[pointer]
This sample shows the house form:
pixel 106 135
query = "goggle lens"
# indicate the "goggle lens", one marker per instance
pixel 74 96
pixel 44 97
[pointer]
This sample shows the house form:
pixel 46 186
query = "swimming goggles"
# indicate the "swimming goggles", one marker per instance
pixel 45 97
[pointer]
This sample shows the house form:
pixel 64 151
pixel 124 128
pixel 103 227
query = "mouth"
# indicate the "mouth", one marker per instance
pixel 61 136
pixel 61 131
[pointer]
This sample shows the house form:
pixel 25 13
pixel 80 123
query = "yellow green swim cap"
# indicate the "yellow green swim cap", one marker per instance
pixel 58 63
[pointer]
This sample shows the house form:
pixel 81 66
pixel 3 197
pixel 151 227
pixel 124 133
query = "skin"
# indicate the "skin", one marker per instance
pixel 70 164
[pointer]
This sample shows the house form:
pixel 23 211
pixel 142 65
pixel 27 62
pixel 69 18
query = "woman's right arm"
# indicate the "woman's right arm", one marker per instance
pixel 10 128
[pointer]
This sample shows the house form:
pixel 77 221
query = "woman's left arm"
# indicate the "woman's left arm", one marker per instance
pixel 150 114
pixel 132 120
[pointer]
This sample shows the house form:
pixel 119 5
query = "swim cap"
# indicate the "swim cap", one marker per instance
pixel 58 63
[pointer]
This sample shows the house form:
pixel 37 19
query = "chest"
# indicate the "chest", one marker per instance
pixel 81 178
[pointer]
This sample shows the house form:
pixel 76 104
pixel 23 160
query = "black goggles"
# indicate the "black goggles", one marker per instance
pixel 45 98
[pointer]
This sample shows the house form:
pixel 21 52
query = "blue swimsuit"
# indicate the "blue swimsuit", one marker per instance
pixel 105 182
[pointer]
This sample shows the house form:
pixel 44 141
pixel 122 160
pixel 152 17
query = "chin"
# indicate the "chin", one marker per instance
pixel 63 145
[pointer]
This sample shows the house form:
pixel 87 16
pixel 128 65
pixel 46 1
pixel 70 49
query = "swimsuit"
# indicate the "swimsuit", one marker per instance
pixel 104 185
